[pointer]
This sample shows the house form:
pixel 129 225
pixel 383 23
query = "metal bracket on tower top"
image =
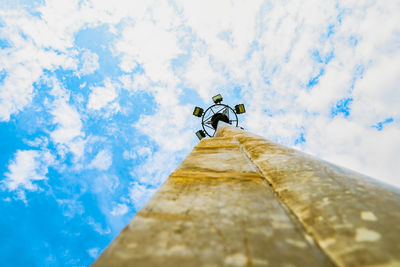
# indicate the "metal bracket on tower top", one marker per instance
pixel 215 114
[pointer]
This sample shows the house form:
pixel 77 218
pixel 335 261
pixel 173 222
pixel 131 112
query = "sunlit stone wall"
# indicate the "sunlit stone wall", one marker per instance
pixel 241 200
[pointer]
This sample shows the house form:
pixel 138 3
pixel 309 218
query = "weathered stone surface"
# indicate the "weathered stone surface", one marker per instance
pixel 241 200
pixel 353 218
pixel 198 222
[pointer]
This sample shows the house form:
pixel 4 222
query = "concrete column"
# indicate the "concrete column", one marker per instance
pixel 241 200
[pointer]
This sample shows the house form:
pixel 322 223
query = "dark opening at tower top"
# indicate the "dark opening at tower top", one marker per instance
pixel 219 117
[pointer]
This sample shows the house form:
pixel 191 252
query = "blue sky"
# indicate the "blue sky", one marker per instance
pixel 96 100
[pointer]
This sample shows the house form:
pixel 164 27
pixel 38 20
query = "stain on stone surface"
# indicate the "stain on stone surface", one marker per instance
pixel 368 216
pixel 367 235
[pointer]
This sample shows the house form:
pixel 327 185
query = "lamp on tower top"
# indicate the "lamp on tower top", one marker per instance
pixel 217 99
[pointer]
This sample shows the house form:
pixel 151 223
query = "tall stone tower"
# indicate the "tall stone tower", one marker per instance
pixel 241 200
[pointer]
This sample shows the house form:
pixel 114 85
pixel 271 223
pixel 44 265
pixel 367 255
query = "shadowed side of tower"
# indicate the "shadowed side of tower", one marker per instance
pixel 241 200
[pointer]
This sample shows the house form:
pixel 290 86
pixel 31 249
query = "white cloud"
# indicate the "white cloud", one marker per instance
pixel 203 77
pixel 102 161
pixel 107 183
pixel 128 155
pixel 38 142
pixel 98 227
pixel 68 134
pixel 119 209
pixel 139 194
pixel 135 82
pixel 152 42
pixel 102 96
pixel 363 149
pixel 209 20
pixel 144 151
pixel 90 62
pixel 71 207
pixel 26 59
pixel 27 167
pixel 376 95
pixel 139 151
pixel 47 43
pixel 68 121
pixel 94 252
pixel 168 127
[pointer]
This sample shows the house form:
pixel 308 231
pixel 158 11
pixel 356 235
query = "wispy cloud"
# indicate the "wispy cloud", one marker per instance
pixel 101 96
pixel 94 252
pixel 102 161
pixel 119 209
pixel 27 167
pixel 89 63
